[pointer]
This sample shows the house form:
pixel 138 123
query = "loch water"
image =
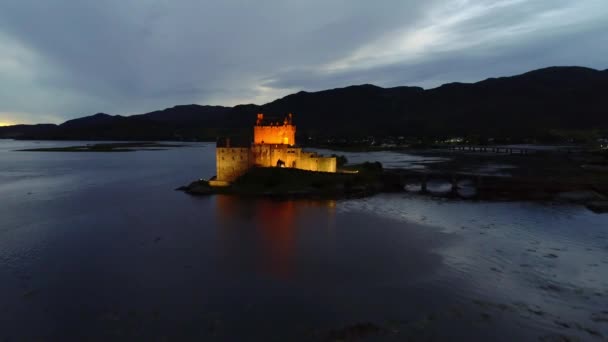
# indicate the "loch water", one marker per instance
pixel 99 246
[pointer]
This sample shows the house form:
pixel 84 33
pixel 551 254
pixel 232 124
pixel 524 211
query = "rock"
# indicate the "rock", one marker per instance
pixel 579 196
pixel 199 187
pixel 200 190
pixel 598 207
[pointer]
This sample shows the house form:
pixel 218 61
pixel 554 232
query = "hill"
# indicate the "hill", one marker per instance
pixel 541 104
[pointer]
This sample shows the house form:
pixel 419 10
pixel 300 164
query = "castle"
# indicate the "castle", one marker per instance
pixel 274 145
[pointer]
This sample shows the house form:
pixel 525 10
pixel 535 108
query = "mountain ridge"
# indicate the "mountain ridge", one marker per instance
pixel 526 105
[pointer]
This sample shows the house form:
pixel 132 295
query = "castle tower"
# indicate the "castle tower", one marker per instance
pixel 274 133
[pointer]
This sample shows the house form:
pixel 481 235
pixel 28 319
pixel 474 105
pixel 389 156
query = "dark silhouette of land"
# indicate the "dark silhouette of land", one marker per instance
pixel 552 104
pixel 106 147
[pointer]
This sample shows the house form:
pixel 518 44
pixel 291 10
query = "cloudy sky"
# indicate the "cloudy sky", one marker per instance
pixel 61 59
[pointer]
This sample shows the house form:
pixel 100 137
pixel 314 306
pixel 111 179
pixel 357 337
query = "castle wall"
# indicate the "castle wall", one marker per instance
pixel 326 164
pixel 231 162
pixel 268 155
pixel 272 143
pixel 313 162
pixel 281 134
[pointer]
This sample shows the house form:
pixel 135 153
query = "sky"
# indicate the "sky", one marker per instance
pixel 62 59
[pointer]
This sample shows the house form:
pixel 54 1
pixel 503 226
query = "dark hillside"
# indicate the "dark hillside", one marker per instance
pixel 538 104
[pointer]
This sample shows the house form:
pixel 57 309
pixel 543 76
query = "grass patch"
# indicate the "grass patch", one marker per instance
pixel 274 181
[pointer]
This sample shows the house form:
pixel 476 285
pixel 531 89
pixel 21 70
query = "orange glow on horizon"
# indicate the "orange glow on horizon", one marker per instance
pixel 6 123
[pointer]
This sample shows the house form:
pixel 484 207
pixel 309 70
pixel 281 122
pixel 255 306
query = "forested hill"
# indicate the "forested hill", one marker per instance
pixel 535 104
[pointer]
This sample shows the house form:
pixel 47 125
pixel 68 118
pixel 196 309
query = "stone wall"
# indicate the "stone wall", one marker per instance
pixel 231 162
pixel 268 155
pixel 313 162
pixel 326 164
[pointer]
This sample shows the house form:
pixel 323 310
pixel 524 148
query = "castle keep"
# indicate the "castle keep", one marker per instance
pixel 274 145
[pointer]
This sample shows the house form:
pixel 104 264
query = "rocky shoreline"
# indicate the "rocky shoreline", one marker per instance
pixel 371 179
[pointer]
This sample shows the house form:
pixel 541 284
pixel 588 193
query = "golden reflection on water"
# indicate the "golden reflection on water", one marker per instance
pixel 275 225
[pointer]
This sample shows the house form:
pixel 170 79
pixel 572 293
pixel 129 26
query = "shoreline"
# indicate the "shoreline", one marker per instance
pixel 455 186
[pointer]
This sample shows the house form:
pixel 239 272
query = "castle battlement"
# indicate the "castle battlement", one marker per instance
pixel 274 145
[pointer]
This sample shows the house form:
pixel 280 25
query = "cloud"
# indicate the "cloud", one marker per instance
pixel 63 58
pixel 468 43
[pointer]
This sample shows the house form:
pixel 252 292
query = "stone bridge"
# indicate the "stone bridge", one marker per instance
pixel 486 186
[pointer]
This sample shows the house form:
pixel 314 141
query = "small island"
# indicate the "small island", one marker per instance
pixel 274 165
pixel 107 147
pixel 354 181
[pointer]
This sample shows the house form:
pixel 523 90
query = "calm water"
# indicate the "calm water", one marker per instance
pixel 99 246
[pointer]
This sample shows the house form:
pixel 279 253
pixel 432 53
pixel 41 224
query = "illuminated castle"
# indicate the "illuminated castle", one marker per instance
pixel 273 146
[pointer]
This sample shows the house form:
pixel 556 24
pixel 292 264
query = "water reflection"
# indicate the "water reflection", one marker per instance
pixel 98 246
pixel 273 225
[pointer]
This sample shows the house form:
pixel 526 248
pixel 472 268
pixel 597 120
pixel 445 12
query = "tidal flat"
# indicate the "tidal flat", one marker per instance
pixel 98 246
